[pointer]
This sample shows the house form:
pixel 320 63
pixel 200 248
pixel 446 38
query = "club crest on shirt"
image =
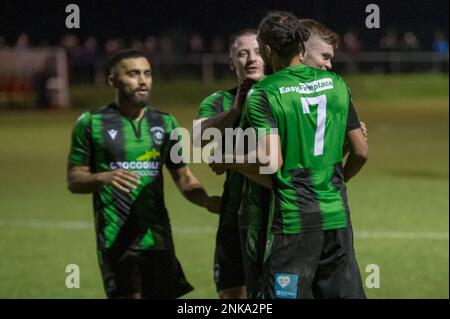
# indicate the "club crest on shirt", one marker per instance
pixel 158 134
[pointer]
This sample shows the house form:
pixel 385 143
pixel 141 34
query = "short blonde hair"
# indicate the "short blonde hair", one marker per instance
pixel 322 31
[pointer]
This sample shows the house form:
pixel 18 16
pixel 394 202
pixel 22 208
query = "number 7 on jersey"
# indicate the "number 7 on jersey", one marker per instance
pixel 321 102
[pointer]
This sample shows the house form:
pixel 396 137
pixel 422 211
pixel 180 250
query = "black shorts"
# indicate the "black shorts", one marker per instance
pixel 228 265
pixel 253 242
pixel 320 264
pixel 156 274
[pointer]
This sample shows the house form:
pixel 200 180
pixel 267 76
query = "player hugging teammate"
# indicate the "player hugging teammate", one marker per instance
pixel 287 234
pixel 294 226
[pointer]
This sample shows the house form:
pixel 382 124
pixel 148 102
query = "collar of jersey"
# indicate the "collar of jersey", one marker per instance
pixel 116 108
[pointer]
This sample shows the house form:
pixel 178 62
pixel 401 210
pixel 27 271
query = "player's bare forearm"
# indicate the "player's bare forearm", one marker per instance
pixel 346 148
pixel 358 155
pixel 353 165
pixel 196 195
pixel 81 181
pixel 192 189
pixel 220 122
pixel 228 118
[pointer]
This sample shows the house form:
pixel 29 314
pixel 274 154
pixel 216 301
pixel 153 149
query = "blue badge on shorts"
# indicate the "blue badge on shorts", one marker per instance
pixel 286 286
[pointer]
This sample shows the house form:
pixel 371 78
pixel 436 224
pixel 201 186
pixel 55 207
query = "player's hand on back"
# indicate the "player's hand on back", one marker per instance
pixel 242 92
pixel 121 179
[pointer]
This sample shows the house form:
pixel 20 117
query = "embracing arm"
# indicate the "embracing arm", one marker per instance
pixel 225 119
pixel 347 146
pixel 259 165
pixel 358 153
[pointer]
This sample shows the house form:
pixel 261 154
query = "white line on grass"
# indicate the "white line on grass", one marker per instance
pixel 205 230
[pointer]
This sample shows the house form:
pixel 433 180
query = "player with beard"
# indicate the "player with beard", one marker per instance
pixel 117 154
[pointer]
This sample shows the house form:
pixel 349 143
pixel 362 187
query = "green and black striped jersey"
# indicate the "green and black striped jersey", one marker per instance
pixel 255 203
pixel 105 140
pixel 216 103
pixel 312 111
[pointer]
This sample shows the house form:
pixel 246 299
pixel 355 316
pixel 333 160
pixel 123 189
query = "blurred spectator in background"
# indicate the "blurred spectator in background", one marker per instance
pixel 440 47
pixel 40 84
pixel 23 41
pixel 217 44
pixel 410 42
pixel 151 46
pixel 112 46
pixel 195 48
pixel 389 42
pixel 137 44
pixel 218 47
pixel 87 60
pixel 166 58
pixel 71 44
pixel 440 43
pixel 151 50
pixel 352 45
pixel 195 54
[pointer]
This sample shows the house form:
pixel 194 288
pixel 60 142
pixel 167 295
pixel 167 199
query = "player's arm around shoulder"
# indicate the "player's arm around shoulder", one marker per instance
pixel 356 137
pixel 357 145
pixel 358 153
pixel 267 156
pixel 212 116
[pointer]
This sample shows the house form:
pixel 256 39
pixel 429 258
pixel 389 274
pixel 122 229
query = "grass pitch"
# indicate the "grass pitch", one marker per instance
pixel 399 202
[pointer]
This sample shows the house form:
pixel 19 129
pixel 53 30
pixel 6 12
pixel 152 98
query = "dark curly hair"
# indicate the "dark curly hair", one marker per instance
pixel 282 32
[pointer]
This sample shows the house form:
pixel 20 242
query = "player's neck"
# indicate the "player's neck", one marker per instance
pixel 281 64
pixel 132 112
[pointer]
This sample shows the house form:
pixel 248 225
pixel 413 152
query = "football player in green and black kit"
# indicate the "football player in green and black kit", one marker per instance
pixel 222 110
pixel 254 206
pixel 309 251
pixel 117 153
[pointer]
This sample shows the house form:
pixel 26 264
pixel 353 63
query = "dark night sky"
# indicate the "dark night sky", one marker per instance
pixel 139 18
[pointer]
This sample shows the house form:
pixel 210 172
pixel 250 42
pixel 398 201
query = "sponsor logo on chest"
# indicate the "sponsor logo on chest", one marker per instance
pixel 310 87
